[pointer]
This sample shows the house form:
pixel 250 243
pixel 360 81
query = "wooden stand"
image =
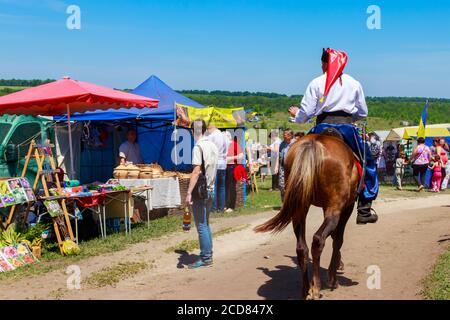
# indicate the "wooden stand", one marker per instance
pixel 253 179
pixel 61 224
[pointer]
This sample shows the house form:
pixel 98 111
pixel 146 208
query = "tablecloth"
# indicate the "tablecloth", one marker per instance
pixel 165 192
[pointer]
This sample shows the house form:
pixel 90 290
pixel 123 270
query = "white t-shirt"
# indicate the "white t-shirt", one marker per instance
pixel 210 157
pixel 131 152
pixel 347 97
pixel 220 141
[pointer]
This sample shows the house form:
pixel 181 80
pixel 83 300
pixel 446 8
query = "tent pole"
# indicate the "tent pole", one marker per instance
pixel 72 169
pixel 175 133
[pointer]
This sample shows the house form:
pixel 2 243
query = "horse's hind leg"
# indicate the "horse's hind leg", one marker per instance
pixel 338 240
pixel 302 256
pixel 328 226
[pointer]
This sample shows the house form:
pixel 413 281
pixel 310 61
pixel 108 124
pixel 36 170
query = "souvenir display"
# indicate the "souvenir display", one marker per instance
pixel 15 256
pixel 54 208
pixel 15 191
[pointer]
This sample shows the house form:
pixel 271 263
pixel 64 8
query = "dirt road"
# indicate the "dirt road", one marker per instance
pixel 404 245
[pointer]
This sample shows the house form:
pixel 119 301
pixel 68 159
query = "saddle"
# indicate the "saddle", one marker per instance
pixel 332 132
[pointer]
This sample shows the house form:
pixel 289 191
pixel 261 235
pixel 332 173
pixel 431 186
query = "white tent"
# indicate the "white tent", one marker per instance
pixel 382 134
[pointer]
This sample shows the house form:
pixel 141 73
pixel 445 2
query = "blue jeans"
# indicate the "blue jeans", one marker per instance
pixel 201 210
pixel 219 191
pixel 356 143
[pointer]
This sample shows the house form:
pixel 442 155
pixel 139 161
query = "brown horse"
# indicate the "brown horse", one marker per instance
pixel 320 171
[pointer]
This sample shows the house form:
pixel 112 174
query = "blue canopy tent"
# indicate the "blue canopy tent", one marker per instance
pixel 155 125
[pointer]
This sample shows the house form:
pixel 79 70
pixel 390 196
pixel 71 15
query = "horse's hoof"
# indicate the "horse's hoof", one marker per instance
pixel 341 266
pixel 313 295
pixel 333 285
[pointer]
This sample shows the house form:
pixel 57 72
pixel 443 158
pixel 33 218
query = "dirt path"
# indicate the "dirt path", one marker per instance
pixel 404 244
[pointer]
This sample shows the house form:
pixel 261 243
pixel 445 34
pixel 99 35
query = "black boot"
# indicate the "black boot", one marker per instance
pixel 365 213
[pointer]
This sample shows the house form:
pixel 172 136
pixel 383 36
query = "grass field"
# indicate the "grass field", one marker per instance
pixel 281 120
pixel 12 87
pixel 437 285
pixel 265 200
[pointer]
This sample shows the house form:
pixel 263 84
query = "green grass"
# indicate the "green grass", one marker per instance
pixel 111 275
pixel 437 284
pixel 264 201
pixel 408 191
pixel 12 87
pixel 191 245
pixel 52 260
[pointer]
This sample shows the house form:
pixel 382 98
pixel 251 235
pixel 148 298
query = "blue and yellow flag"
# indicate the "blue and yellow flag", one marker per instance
pixel 423 122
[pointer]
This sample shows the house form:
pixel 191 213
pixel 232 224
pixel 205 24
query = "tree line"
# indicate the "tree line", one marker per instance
pixel 23 83
pixel 390 108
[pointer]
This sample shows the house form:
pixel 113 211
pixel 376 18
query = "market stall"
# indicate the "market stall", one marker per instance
pixel 404 139
pixel 54 98
pixel 159 132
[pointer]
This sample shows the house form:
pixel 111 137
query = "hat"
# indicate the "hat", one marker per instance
pixel 336 64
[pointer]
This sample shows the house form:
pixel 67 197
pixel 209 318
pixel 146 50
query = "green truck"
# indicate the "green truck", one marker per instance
pixel 16 133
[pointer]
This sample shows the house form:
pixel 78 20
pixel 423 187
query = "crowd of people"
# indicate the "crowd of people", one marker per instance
pixel 435 159
pixel 218 162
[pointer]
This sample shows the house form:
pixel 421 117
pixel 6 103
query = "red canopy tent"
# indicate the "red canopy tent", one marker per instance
pixel 67 96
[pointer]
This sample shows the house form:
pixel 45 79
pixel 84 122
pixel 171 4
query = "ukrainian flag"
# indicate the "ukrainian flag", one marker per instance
pixel 423 122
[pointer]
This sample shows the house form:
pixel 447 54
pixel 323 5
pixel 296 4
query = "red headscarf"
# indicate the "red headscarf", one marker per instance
pixel 336 64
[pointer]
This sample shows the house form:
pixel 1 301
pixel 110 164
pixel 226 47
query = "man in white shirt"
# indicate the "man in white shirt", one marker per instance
pixel 220 141
pixel 204 160
pixel 129 151
pixel 339 109
pixel 274 158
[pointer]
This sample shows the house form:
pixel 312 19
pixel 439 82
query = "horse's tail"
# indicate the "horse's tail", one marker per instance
pixel 304 174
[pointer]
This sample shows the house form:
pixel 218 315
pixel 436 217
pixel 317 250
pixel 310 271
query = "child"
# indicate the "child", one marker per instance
pixel 400 169
pixel 437 173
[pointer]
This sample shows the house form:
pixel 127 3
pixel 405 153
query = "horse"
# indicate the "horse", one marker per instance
pixel 320 171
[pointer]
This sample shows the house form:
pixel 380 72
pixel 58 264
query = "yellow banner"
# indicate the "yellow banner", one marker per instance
pixel 221 117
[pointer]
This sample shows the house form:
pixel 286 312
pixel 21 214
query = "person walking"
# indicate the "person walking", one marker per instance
pixel 200 191
pixel 437 174
pixel 219 140
pixel 442 151
pixel 400 164
pixel 420 160
pixel 274 149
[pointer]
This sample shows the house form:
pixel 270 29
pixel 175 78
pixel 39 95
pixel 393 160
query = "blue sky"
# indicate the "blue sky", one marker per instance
pixel 231 45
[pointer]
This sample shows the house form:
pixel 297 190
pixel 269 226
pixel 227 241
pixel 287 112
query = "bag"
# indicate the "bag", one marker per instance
pixel 417 157
pixel 200 191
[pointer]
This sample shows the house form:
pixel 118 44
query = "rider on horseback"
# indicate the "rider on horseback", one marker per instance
pixel 337 106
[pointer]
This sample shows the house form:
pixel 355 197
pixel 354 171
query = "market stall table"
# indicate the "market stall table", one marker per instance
pixel 165 192
pixel 97 203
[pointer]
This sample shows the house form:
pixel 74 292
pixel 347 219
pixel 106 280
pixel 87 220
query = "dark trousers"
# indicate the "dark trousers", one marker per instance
pixel 230 188
pixel 419 172
pixel 219 191
pixel 444 174
pixel 275 183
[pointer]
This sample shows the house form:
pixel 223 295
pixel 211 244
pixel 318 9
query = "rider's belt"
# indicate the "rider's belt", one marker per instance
pixel 335 117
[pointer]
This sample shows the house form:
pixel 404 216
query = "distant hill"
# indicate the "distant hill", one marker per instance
pixel 387 108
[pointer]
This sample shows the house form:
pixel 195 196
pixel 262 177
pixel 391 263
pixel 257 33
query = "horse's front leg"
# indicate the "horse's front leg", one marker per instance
pixel 328 226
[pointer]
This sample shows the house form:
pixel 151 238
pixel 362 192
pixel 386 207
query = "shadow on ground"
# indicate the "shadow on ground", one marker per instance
pixel 185 258
pixel 284 282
